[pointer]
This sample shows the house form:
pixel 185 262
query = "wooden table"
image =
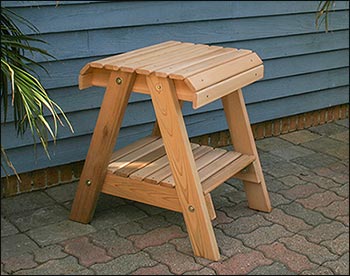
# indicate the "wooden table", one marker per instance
pixel 165 169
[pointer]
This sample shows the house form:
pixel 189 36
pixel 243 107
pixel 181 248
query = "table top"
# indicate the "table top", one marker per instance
pixel 202 73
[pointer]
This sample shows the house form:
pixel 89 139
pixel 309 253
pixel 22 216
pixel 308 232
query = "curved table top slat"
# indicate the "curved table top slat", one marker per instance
pixel 201 73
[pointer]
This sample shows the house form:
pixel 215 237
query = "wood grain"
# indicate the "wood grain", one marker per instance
pixel 183 167
pixel 101 147
pixel 243 141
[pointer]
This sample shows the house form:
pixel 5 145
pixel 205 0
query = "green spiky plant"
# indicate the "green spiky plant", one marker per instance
pixel 323 9
pixel 19 85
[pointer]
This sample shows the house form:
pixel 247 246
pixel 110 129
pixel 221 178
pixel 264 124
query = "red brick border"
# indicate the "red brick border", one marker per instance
pixel 41 179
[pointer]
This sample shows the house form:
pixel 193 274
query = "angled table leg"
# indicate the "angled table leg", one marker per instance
pixel 188 187
pixel 156 130
pixel 243 141
pixel 102 143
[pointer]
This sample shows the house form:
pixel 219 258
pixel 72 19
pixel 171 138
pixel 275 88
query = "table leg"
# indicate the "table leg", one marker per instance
pixel 102 144
pixel 243 141
pixel 178 149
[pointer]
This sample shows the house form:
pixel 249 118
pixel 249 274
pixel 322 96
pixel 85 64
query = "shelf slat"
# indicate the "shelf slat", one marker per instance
pixel 146 161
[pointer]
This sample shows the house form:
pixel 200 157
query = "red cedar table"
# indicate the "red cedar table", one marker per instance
pixel 165 169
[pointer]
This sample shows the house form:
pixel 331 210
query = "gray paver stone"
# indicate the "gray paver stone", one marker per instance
pixel 7 228
pixel 153 222
pixel 340 266
pixel 328 129
pixel 67 266
pixel 292 152
pixel 309 216
pixel 158 269
pixel 124 265
pixel 244 225
pixel 16 245
pixel 203 271
pixel 324 232
pixel 316 253
pixel 339 245
pixel 178 262
pixel 274 269
pixel 229 246
pixel 321 270
pixel 329 146
pixel 63 193
pixel 49 252
pixel 119 215
pixel 314 160
pixel 291 223
pixel 58 232
pixel 295 262
pixel 112 243
pixel 128 229
pixel 299 137
pixel 16 263
pixel 272 143
pixel 25 202
pixel 264 235
pixel 40 217
pixel 343 122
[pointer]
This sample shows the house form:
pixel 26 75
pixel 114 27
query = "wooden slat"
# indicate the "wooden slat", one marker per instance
pixel 207 64
pixel 165 172
pixel 201 161
pixel 170 58
pixel 135 53
pixel 217 165
pixel 222 72
pixel 227 172
pixel 213 51
pixel 134 155
pixel 141 162
pixel 129 65
pixel 142 192
pixel 132 147
pixel 227 86
pixel 153 167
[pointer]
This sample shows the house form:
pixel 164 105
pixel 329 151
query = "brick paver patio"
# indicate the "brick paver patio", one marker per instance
pixel 307 232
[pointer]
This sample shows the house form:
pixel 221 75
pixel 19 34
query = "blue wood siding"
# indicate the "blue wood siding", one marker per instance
pixel 305 69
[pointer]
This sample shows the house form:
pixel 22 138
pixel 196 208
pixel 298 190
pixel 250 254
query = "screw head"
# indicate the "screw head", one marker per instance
pixel 191 208
pixel 119 80
pixel 88 182
pixel 158 87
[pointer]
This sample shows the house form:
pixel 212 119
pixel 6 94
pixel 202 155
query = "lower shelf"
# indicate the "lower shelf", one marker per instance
pixel 146 162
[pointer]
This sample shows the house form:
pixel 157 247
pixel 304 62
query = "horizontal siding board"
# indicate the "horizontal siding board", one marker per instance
pixel 118 40
pixel 266 47
pixel 42 4
pixel 295 85
pixel 64 18
pixel 75 148
pixel 298 104
pixel 277 47
pixel 296 65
